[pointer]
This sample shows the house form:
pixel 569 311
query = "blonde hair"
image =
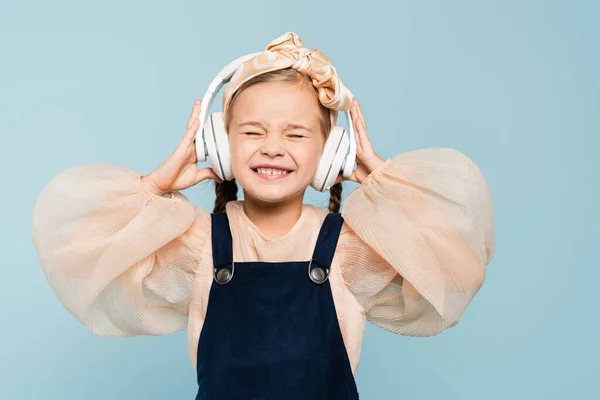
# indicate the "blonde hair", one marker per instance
pixel 227 191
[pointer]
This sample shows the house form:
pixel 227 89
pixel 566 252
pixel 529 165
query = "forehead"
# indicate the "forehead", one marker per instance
pixel 276 102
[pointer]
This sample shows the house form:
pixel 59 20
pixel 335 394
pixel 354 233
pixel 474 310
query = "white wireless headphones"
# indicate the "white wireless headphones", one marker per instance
pixel 339 153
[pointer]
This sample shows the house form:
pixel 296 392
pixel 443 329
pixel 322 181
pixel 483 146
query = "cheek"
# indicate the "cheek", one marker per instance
pixel 241 153
pixel 237 153
pixel 235 143
pixel 307 156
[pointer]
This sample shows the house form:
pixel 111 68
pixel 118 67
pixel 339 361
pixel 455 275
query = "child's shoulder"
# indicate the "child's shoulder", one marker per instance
pixel 315 216
pixel 318 210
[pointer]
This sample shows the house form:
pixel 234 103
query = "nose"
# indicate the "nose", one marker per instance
pixel 272 146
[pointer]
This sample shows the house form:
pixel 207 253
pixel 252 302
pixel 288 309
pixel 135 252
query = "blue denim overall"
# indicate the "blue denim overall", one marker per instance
pixel 271 330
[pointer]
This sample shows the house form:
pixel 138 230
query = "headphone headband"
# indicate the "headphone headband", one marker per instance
pixel 217 83
pixel 225 76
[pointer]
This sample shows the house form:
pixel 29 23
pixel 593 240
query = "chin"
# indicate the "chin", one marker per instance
pixel 272 196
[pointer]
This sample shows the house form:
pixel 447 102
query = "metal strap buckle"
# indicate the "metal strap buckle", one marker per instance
pixel 223 275
pixel 317 274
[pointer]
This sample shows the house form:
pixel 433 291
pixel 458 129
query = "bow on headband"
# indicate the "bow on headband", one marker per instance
pixel 287 51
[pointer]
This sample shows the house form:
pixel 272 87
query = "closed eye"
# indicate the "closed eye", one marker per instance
pixel 251 133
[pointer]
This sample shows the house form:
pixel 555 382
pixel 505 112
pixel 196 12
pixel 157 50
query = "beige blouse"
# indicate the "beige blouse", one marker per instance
pixel 417 237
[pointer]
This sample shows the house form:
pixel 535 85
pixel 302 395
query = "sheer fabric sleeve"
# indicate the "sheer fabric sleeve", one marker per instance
pixel 120 259
pixel 417 238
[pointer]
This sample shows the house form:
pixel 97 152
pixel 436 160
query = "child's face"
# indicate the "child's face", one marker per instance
pixel 276 140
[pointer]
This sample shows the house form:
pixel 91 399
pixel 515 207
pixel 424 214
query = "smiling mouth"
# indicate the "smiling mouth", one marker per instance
pixel 271 173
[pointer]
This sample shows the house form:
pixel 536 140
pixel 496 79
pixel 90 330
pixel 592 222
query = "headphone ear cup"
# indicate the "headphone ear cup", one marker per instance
pixel 217 144
pixel 332 159
pixel 350 159
pixel 200 146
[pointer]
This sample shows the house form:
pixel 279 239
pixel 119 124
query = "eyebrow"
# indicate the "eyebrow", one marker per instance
pixel 287 127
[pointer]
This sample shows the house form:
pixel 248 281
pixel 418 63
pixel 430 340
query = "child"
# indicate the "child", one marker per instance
pixel 274 292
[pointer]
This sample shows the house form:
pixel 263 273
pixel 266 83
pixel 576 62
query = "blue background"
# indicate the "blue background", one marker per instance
pixel 513 84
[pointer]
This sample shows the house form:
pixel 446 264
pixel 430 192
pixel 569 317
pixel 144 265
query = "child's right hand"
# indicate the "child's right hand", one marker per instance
pixel 179 170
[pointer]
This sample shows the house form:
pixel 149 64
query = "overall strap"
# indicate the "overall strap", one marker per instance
pixel 318 268
pixel 222 248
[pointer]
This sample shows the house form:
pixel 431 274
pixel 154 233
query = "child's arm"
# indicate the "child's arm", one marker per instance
pixel 418 235
pixel 120 258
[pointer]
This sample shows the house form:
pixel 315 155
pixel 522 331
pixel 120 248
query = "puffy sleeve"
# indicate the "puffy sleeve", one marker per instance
pixel 417 237
pixel 120 259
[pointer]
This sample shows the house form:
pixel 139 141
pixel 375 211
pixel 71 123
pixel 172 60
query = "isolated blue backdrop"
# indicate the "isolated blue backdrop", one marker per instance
pixel 513 84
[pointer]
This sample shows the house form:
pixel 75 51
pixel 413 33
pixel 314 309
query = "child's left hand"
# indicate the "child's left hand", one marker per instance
pixel 366 159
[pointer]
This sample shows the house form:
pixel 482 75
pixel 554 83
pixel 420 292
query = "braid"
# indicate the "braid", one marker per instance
pixel 225 192
pixel 335 198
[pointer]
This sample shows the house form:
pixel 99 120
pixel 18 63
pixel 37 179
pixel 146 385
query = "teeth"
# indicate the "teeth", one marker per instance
pixel 271 171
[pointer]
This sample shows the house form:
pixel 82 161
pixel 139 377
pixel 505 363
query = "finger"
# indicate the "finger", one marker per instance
pixel 195 107
pixel 353 177
pixel 361 117
pixel 361 120
pixel 195 113
pixel 190 134
pixel 207 173
pixel 354 114
pixel 341 178
pixel 362 128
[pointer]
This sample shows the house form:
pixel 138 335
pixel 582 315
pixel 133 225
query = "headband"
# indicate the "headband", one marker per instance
pixel 287 51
